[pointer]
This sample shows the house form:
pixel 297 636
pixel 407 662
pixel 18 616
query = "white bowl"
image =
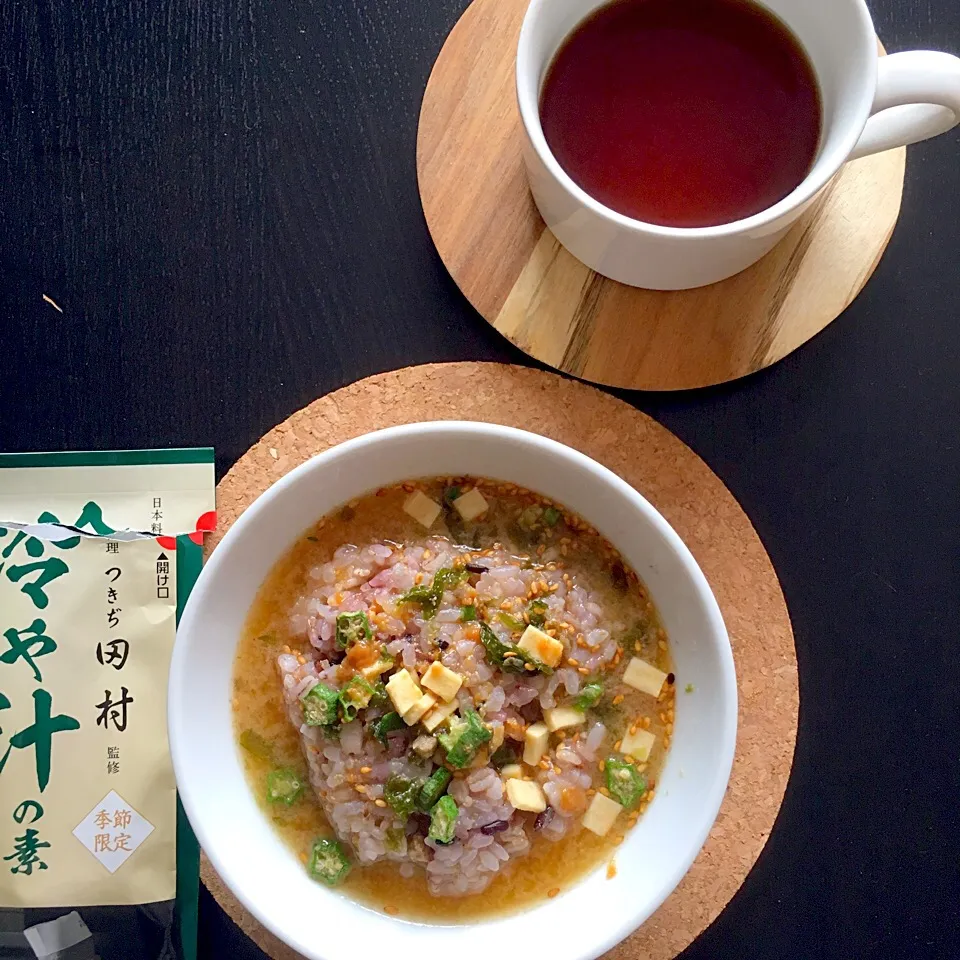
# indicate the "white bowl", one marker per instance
pixel 270 881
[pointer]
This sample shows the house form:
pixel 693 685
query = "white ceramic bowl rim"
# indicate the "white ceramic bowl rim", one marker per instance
pixel 200 796
pixel 815 181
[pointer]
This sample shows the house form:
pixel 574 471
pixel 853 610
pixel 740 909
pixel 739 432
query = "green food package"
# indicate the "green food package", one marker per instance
pixel 98 553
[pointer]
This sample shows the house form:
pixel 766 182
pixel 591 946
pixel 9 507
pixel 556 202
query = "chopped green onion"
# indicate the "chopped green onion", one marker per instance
pixel 511 622
pixel 464 738
pixel 352 628
pixel 320 706
pixel 503 756
pixel 433 787
pixel 590 696
pixel 550 516
pixel 401 794
pixel 252 742
pixel 468 613
pixel 689 688
pixel 387 724
pixel 284 786
pixel 451 494
pixel 537 612
pixel 625 783
pixel 355 696
pixel 429 597
pixel 267 638
pixel 328 862
pixel 443 820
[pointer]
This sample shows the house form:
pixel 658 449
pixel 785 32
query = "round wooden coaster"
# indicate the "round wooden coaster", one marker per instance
pixel 511 268
pixel 694 501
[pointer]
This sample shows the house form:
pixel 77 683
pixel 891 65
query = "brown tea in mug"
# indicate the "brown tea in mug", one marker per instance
pixel 684 113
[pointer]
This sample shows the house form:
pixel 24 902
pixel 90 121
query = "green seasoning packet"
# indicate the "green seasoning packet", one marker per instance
pixel 98 553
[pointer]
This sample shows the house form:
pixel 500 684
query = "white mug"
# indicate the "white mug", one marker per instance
pixel 870 103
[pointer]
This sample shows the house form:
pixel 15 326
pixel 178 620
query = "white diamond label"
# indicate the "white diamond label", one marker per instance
pixel 112 831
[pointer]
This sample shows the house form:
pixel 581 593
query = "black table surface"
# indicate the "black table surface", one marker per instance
pixel 222 199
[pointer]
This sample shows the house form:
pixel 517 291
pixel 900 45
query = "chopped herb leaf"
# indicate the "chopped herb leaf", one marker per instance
pixel 506 656
pixel 395 840
pixel 379 699
pixel 468 613
pixel 511 622
pixel 387 724
pixel 429 597
pixel 401 794
pixel 504 755
pixel 537 612
pixel 496 649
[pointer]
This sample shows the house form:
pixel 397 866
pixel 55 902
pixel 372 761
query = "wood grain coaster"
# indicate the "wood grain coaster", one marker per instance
pixel 693 500
pixel 515 273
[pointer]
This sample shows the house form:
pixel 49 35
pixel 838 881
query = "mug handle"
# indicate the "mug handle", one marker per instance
pixel 918 96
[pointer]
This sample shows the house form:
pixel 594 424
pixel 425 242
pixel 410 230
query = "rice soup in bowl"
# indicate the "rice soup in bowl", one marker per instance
pixel 388 661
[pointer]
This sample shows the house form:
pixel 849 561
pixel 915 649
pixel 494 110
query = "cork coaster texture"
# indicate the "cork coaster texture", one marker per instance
pixel 491 238
pixel 693 500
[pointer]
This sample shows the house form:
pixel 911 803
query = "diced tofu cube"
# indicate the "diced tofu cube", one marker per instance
pixel 424 510
pixel 420 709
pixel 471 504
pixel 644 677
pixel 601 814
pixel 424 745
pixel 638 745
pixel 560 717
pixel 438 715
pixel 512 771
pixel 443 682
pixel 526 795
pixel 535 742
pixel 375 669
pixel 541 646
pixel 403 691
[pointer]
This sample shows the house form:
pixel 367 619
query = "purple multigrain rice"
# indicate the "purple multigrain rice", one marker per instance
pixel 489 832
pixel 498 826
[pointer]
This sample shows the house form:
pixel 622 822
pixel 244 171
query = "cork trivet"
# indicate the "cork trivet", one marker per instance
pixel 693 500
pixel 521 280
